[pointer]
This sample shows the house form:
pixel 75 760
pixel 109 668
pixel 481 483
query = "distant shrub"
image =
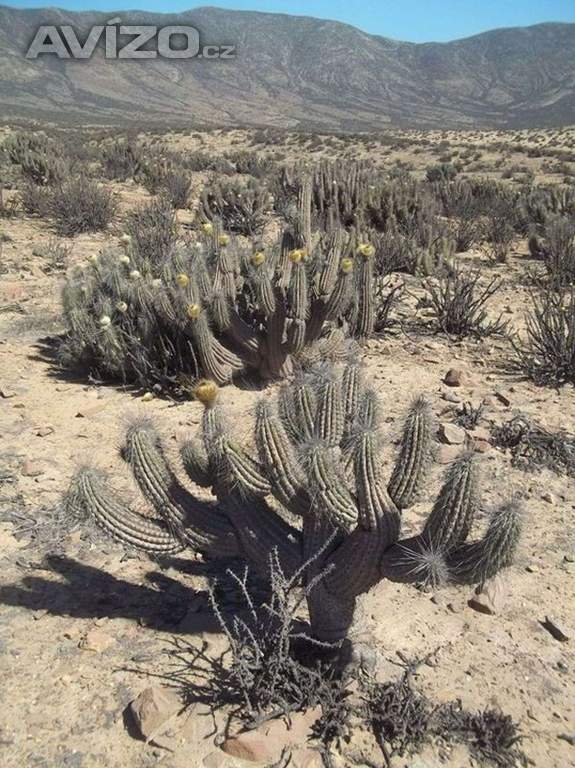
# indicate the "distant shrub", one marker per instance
pixel 80 205
pixel 121 160
pixel 441 172
pixel 547 353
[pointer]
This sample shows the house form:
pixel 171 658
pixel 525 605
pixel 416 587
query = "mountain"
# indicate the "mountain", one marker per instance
pixel 294 72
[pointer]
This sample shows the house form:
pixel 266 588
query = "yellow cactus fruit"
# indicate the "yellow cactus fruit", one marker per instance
pixel 298 255
pixel 125 239
pixel 147 396
pixel 258 258
pixel 93 259
pixel 207 228
pixel 135 274
pixel 122 307
pixel 346 265
pixel 182 280
pixel 367 250
pixel 105 321
pixel 206 392
pixel 223 240
pixel 123 259
pixel 193 311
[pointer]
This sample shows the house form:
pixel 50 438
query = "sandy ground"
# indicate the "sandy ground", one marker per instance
pixel 85 627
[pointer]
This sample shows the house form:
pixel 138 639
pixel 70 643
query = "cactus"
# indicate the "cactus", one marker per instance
pixel 312 486
pixel 212 307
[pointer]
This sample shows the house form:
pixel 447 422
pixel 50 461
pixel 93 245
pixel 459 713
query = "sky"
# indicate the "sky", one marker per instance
pixel 414 20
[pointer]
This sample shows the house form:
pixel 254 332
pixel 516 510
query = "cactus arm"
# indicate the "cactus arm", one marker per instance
pixel 415 450
pixel 452 515
pixel 331 496
pixel 196 463
pixel 90 494
pixel 198 522
pixel 278 457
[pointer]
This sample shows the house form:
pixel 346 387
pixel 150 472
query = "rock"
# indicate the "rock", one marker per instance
pixel 90 410
pixel 44 431
pixel 96 640
pixel 480 433
pixel 568 737
pixel 451 434
pixel 489 598
pixel 548 497
pixel 251 747
pixel 532 568
pixel 31 469
pixel 480 446
pixel 445 454
pixel 214 760
pixel 153 708
pixel 455 377
pixel 503 399
pixel 568 558
pixel 7 392
pixel 266 743
pixel 450 397
pixel 556 629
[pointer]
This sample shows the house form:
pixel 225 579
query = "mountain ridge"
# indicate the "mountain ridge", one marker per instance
pixel 297 72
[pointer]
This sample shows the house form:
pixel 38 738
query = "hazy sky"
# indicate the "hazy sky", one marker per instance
pixel 417 20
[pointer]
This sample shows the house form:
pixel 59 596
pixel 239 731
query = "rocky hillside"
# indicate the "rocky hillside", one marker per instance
pixel 295 72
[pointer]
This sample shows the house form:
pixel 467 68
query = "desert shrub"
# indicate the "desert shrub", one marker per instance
pixel 241 206
pixel 547 353
pixel 463 209
pixel 121 160
pixel 54 254
pixel 498 228
pixel 152 232
pixel 251 163
pixel 175 187
pixel 458 301
pixel 558 251
pixel 34 199
pixel 533 447
pixel 80 205
pixel 40 160
pixel 444 171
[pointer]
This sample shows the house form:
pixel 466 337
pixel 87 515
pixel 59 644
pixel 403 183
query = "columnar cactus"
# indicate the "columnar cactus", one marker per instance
pixel 312 487
pixel 217 309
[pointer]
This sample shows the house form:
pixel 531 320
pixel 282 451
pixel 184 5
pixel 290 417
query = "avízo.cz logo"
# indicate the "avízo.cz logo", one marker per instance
pixel 126 41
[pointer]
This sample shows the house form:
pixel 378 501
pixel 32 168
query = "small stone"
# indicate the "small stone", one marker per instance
pixel 214 760
pixel 7 392
pixel 568 558
pixel 532 568
pixel 153 708
pixel 556 629
pixel 488 599
pixel 44 431
pixel 96 640
pixel 503 399
pixel 455 377
pixel 250 747
pixel 450 397
pixel 480 446
pixel 568 737
pixel 451 434
pixel 147 396
pixel 90 410
pixel 445 454
pixel 481 433
pixel 548 497
pixel 31 469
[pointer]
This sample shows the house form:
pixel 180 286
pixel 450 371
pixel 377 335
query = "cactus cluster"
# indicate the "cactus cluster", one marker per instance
pixel 217 309
pixel 311 486
pixel 241 206
pixel 38 158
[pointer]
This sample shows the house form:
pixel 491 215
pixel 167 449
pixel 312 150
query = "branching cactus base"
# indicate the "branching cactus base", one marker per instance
pixel 312 487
